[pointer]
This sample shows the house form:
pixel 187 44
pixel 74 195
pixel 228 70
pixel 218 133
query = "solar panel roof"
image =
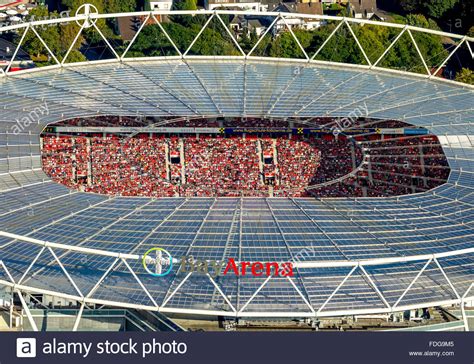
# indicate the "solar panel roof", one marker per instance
pixel 361 254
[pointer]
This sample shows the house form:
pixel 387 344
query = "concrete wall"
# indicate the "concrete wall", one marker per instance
pixel 66 323
pixel 4 320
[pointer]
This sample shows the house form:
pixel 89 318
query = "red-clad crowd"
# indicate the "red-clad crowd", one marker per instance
pixel 327 122
pixel 57 154
pixel 298 161
pixel 221 166
pixel 129 167
pixel 395 165
pixel 251 165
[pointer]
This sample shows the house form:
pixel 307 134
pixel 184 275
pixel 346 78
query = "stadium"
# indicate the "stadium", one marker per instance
pixel 125 181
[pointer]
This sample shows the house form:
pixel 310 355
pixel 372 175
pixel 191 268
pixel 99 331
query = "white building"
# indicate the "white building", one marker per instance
pixel 363 9
pixel 234 4
pixel 307 7
pixel 161 4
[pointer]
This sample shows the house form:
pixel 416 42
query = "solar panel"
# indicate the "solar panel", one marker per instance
pixel 332 231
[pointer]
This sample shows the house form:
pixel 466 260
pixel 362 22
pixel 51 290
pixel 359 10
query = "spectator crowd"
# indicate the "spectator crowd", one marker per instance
pixel 244 165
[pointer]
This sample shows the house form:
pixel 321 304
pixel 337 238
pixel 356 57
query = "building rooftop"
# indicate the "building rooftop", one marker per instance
pixel 313 8
pixel 362 6
pixel 7 49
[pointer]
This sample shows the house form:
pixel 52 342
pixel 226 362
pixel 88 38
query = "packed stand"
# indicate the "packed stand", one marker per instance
pixel 104 121
pixel 298 162
pixel 221 166
pixel 57 153
pixel 251 165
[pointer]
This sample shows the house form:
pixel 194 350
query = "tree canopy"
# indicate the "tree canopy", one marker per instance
pixel 58 37
pixel 432 8
pixel 185 5
pixel 465 75
pixel 107 6
pixel 215 40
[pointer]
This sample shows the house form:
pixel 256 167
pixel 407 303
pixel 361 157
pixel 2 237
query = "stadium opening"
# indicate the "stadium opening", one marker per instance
pixel 242 157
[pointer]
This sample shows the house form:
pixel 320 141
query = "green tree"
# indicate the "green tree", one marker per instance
pixel 58 38
pixel 403 56
pixel 73 5
pixel 68 33
pixel 431 46
pixel 373 39
pixel 49 34
pixel 247 41
pixel 187 20
pixel 215 43
pixel 342 47
pixel 285 45
pixel 152 42
pixel 76 56
pixel 93 41
pixel 419 20
pixel 147 5
pixel 410 6
pixel 91 34
pixel 438 8
pixel 185 5
pixel 120 6
pixel 465 75
pixel 263 48
pixel 432 8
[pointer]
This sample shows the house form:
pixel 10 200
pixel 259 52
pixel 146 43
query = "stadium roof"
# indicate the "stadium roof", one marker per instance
pixel 353 255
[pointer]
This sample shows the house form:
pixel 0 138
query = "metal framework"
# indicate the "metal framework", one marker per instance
pixel 132 259
pixel 87 17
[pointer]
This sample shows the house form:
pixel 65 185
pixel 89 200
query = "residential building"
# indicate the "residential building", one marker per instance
pixel 161 4
pixel 243 24
pixel 362 9
pixel 7 50
pixel 311 7
pixel 234 4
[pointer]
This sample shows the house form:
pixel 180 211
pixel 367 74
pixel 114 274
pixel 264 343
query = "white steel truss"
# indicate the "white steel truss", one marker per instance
pixel 242 312
pixel 27 310
pixel 463 309
pixel 89 20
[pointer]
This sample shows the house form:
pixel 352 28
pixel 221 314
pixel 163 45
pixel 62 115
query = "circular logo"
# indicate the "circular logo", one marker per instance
pixel 157 262
pixel 86 10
